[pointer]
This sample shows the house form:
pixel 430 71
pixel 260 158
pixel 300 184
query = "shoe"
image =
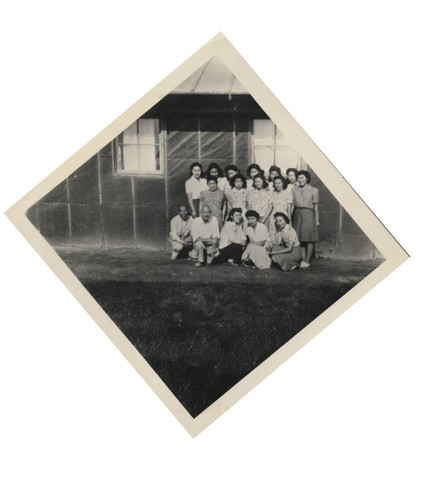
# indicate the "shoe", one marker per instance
pixel 304 265
pixel 294 267
pixel 198 264
pixel 232 262
pixel 246 263
pixel 174 255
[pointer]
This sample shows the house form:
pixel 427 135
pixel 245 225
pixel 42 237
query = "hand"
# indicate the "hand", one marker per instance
pixel 317 222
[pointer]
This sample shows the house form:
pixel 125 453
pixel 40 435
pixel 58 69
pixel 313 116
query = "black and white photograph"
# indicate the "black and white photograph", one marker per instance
pixel 152 348
pixel 206 235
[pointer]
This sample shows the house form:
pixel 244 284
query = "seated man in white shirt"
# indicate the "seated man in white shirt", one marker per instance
pixel 205 235
pixel 180 233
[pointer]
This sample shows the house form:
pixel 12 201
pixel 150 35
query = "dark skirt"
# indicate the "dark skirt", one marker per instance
pixel 232 251
pixel 305 225
pixel 287 260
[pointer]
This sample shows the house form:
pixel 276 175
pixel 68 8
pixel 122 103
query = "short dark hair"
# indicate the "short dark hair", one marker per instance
pixel 181 205
pixel 210 178
pixel 235 177
pixel 283 181
pixel 251 166
pixel 252 213
pixel 281 214
pixel 260 176
pixel 294 170
pixel 276 169
pixel 196 164
pixel 231 167
pixel 232 212
pixel 214 165
pixel 305 173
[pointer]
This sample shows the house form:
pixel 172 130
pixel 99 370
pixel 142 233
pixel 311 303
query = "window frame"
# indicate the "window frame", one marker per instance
pixel 117 148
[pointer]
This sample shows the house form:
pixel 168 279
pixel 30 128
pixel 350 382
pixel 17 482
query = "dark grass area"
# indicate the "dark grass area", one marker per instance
pixel 203 330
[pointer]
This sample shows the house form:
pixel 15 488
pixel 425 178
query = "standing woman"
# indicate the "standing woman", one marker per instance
pixel 285 249
pixel 252 171
pixel 194 186
pixel 281 201
pixel 291 178
pixel 260 199
pixel 273 173
pixel 230 171
pixel 237 195
pixel 216 172
pixel 305 215
pixel 215 199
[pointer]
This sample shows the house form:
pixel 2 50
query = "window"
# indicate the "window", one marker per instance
pixel 138 149
pixel 272 148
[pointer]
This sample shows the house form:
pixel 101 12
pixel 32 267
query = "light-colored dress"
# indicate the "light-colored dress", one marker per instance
pixel 215 200
pixel 282 239
pixel 237 198
pixel 280 200
pixel 256 253
pixel 259 200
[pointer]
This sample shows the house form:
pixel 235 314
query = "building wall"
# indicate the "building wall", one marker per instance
pixel 96 207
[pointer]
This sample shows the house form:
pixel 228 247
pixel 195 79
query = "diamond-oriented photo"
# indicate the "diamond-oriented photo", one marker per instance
pixel 212 238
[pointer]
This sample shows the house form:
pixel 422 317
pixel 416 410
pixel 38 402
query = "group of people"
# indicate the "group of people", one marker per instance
pixel 251 221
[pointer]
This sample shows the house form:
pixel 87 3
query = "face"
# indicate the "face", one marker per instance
pixel 212 185
pixel 252 221
pixel 231 173
pixel 237 217
pixel 253 172
pixel 302 180
pixel 183 212
pixel 206 213
pixel 197 172
pixel 213 172
pixel 292 177
pixel 273 174
pixel 278 184
pixel 258 182
pixel 280 222
pixel 238 183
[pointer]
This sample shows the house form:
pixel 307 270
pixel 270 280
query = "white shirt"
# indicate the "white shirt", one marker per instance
pixel 179 228
pixel 195 187
pixel 205 230
pixel 258 233
pixel 222 183
pixel 232 233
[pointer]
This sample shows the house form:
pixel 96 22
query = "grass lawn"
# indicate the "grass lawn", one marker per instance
pixel 203 330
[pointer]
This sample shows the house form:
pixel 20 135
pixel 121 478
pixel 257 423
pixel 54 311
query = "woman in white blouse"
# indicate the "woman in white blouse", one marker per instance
pixel 194 186
pixel 232 238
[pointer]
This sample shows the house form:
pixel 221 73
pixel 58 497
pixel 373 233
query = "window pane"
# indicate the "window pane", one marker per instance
pixel 263 132
pixel 129 158
pixel 281 139
pixel 286 158
pixel 147 131
pixel 130 134
pixel 147 158
pixel 264 157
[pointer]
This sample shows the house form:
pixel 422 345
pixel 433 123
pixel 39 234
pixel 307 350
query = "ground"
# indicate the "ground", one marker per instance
pixel 203 329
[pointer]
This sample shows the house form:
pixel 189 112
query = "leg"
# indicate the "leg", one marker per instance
pixel 177 248
pixel 199 249
pixel 309 252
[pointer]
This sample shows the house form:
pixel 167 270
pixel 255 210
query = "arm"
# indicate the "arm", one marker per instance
pixel 316 212
pixel 173 232
pixel 288 249
pixel 269 211
pixel 191 205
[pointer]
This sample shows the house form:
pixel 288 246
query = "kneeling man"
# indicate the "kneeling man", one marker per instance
pixel 205 235
pixel 180 233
